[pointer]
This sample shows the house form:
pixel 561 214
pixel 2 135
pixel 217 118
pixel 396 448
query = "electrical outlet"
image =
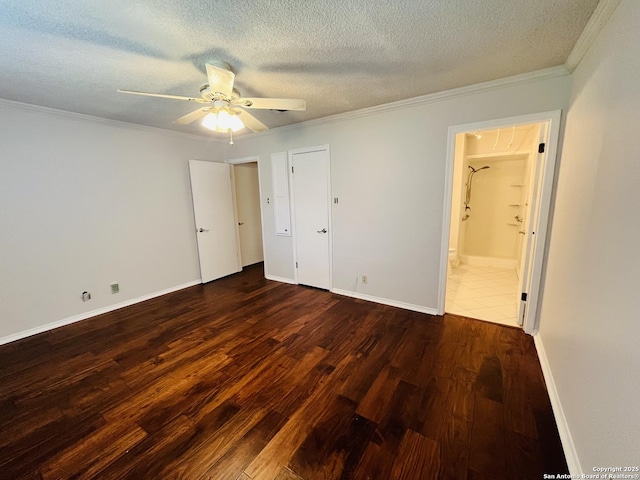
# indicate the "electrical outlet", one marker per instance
pixel 364 279
pixel 115 288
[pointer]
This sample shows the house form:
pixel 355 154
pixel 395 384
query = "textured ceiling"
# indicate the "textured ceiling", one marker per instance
pixel 337 55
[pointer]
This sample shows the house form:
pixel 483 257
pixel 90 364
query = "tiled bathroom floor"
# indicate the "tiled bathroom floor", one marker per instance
pixel 485 293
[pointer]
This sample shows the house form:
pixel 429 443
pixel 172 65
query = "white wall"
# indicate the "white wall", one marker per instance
pixel 84 203
pixel 590 312
pixel 388 170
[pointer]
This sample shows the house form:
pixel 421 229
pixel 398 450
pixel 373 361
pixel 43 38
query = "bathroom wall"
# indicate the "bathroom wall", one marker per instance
pixel 490 235
pixel 491 229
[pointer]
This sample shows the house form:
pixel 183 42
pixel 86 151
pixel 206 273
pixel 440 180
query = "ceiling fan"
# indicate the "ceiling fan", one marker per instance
pixel 221 100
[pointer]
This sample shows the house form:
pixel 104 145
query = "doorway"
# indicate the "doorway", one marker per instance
pixel 498 199
pixel 248 209
pixel 247 194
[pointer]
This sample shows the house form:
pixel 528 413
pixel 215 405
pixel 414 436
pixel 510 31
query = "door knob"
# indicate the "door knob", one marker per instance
pixel 202 230
pixel 324 230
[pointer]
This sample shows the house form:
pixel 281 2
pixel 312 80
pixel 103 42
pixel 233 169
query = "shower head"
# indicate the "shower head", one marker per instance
pixel 474 170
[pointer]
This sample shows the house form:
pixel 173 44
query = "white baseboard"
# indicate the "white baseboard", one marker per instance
pixel 280 279
pixel 563 427
pixel 384 301
pixel 92 313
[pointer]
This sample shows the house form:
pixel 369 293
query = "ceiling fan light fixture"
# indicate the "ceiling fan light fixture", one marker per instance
pixel 210 121
pixel 236 123
pixel 222 121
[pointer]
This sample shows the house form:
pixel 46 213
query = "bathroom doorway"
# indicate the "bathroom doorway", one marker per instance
pixel 500 182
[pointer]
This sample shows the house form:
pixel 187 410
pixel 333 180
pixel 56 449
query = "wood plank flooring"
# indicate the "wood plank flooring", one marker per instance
pixel 250 379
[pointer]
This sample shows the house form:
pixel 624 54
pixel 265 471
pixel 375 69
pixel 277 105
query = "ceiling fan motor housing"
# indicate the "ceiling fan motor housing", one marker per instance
pixel 208 95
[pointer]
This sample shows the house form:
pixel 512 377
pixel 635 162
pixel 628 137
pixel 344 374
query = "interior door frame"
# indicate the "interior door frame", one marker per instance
pixel 237 161
pixel 552 119
pixel 538 159
pixel 290 154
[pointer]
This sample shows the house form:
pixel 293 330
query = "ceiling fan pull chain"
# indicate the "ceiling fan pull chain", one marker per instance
pixel 230 137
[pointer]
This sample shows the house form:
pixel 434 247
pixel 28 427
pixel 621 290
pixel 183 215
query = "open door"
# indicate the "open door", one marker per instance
pixel 531 226
pixel 214 213
pixel 538 209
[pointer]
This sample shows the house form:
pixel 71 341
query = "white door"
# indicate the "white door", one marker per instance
pixel 248 207
pixel 532 220
pixel 311 193
pixel 215 219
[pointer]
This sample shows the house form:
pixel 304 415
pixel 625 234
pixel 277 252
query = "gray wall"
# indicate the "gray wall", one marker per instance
pixel 388 170
pixel 85 203
pixel 590 311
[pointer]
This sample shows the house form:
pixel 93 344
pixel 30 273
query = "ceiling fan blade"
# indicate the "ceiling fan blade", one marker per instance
pixel 193 116
pixel 274 103
pixel 160 95
pixel 220 80
pixel 251 122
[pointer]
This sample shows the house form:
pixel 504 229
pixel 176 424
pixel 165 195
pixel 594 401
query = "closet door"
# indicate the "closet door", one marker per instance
pixel 311 194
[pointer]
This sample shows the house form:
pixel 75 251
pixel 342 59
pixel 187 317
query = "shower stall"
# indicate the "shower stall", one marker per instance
pixel 490 196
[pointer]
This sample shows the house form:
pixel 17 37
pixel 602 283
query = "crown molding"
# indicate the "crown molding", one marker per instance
pixel 103 121
pixel 598 20
pixel 553 72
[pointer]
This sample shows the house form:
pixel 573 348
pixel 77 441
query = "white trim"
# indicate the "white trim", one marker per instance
pixel 235 161
pixel 532 320
pixel 551 118
pixel 104 121
pixel 385 301
pixel 83 316
pixel 280 279
pixel 553 72
pixel 598 20
pixel 292 216
pixel 547 73
pixel 573 462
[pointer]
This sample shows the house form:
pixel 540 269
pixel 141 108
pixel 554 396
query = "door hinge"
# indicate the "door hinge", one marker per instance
pixel 291 168
pixel 541 148
pixel 523 297
pixel 296 264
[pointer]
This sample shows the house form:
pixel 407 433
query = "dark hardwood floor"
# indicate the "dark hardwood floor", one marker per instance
pixel 246 378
